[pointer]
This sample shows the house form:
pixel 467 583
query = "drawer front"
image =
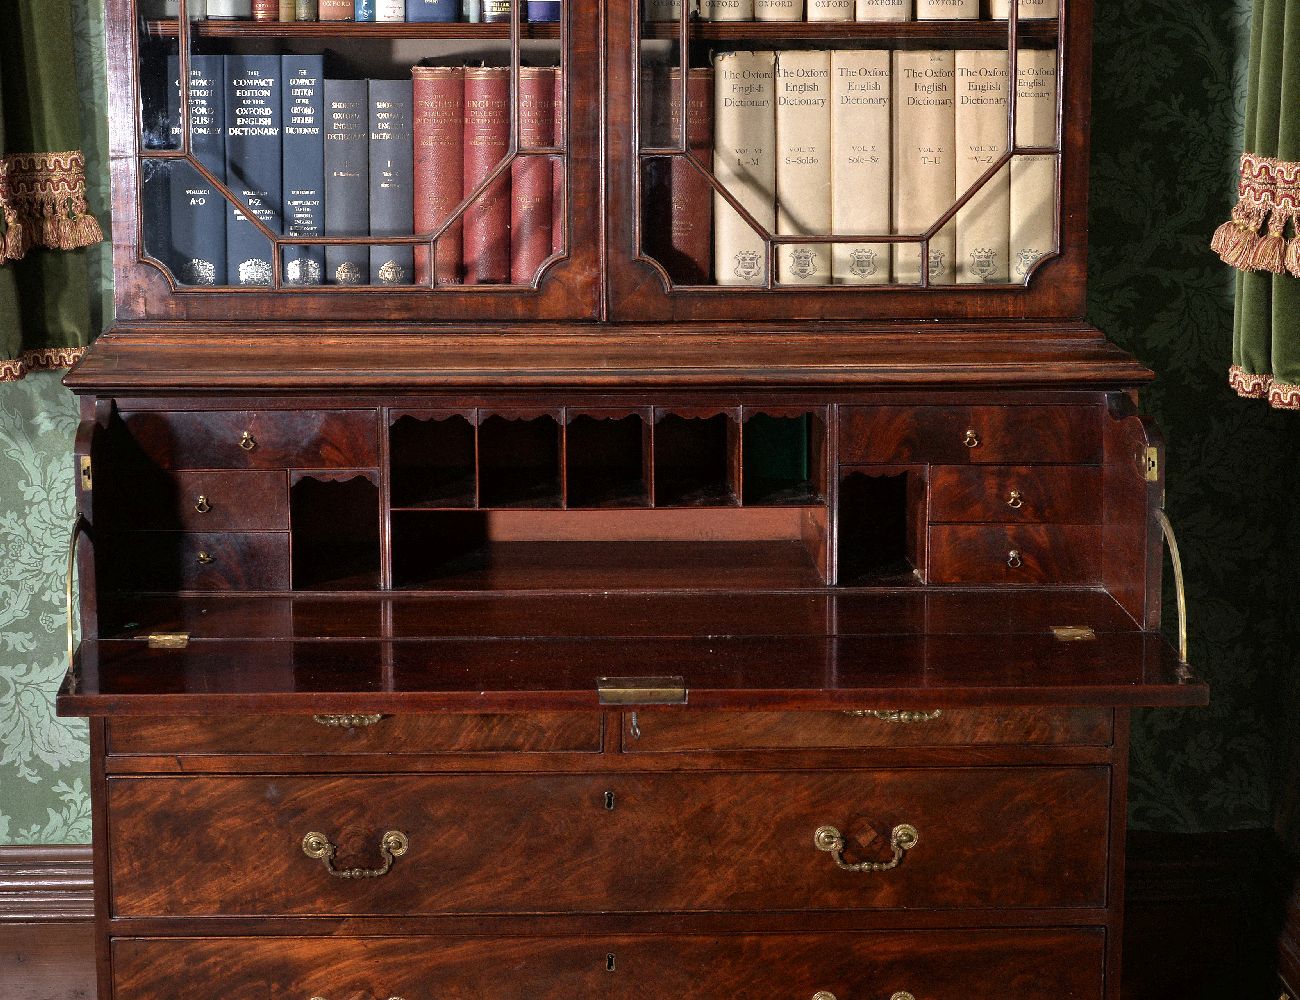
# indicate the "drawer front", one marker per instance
pixel 298 735
pixel 277 439
pixel 950 435
pixel 666 731
pixel 200 560
pixel 1014 553
pixel 211 501
pixel 1016 964
pixel 988 837
pixel 342 968
pixel 1031 494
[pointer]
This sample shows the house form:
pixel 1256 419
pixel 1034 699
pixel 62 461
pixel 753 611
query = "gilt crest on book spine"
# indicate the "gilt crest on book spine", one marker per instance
pixel 439 137
pixel 487 139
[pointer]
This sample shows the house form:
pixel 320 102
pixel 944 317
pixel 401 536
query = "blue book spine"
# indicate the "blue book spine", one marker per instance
pixel 392 211
pixel 433 10
pixel 347 179
pixel 303 114
pixel 363 10
pixel 196 211
pixel 543 11
pixel 253 170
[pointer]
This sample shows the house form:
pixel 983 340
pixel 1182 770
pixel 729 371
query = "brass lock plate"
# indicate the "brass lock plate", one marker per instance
pixel 641 690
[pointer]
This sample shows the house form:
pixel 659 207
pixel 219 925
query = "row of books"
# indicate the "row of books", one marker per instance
pixel 314 157
pixel 850 10
pixel 385 11
pixel 855 142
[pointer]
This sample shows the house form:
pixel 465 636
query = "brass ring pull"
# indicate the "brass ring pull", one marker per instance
pixel 1014 560
pixel 205 558
pixel 246 441
pixel 1015 499
pixel 902 839
pixel 895 715
pixel 971 440
pixel 202 506
pixel 346 721
pixel 392 845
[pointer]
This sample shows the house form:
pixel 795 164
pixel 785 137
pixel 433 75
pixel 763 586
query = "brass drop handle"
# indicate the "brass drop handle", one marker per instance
pixel 971 440
pixel 1015 499
pixel 205 558
pixel 246 441
pixel 824 995
pixel 202 506
pixel 1014 559
pixel 346 721
pixel 902 839
pixel 392 845
pixel 895 715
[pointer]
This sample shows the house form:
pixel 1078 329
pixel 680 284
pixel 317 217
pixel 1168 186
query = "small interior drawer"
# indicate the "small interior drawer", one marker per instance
pixel 1014 553
pixel 155 561
pixel 329 735
pixel 210 501
pixel 1030 494
pixel 668 731
pixel 245 439
pixel 952 435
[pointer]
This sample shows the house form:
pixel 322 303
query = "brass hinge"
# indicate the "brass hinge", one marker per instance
pixel 168 640
pixel 1149 464
pixel 1074 633
pixel 641 690
pixel 87 480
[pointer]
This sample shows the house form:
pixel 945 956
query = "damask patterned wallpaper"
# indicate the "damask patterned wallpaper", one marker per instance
pixel 1168 107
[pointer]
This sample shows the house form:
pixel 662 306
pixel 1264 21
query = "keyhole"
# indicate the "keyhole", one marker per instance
pixel 609 804
pixel 609 962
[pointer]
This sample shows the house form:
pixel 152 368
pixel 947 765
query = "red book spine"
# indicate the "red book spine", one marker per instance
pixel 266 10
pixel 679 229
pixel 336 10
pixel 439 126
pixel 558 138
pixel 531 177
pixel 487 138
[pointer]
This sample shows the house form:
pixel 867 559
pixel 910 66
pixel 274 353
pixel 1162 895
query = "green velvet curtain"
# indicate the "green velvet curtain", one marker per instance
pixel 45 304
pixel 1266 333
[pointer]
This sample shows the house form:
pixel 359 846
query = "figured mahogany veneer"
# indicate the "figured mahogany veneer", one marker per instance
pixel 1042 964
pixel 210 501
pixel 167 561
pixel 1030 494
pixel 555 844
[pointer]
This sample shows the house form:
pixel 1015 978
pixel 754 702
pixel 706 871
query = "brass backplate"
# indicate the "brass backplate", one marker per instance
pixel 168 640
pixel 641 690
pixel 1149 464
pixel 1074 633
pixel 87 478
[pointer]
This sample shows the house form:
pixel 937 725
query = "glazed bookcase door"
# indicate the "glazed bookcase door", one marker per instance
pixel 783 268
pixel 157 135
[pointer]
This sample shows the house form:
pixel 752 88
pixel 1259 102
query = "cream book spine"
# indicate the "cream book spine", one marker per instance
pixel 803 164
pixel 1029 10
pixel 983 223
pixel 668 10
pixel 727 10
pixel 945 10
pixel 830 10
pixel 778 10
pixel 925 177
pixel 861 99
pixel 883 10
pixel 1033 178
pixel 744 162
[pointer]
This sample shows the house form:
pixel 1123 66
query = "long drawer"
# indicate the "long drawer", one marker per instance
pixel 299 735
pixel 984 837
pixel 650 732
pixel 1018 964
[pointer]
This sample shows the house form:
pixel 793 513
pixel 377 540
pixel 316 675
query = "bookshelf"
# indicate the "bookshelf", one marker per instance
pixel 483 593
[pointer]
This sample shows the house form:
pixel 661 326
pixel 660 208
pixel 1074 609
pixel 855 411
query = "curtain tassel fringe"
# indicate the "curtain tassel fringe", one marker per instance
pixel 1293 253
pixel 1270 250
pixel 1228 237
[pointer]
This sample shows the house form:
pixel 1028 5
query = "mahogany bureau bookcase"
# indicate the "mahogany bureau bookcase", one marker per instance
pixel 615 632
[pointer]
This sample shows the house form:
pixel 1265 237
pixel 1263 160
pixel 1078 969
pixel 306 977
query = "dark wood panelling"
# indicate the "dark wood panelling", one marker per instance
pixel 290 734
pixel 698 842
pixel 298 439
pixel 47 961
pixel 45 882
pixel 650 732
pixel 1014 554
pixel 1053 494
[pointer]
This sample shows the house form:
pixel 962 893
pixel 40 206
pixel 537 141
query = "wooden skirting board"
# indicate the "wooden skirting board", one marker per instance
pixel 1199 910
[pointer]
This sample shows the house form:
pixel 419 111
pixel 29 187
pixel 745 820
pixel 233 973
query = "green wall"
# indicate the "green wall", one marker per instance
pixel 1169 93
